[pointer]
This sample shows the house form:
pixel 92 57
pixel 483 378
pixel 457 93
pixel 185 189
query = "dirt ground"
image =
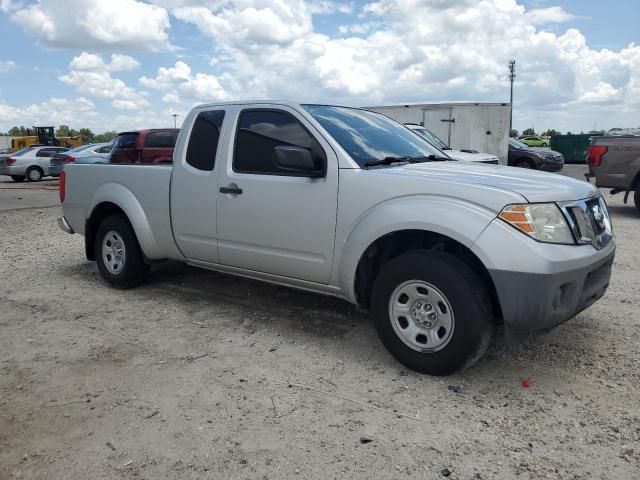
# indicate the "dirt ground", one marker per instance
pixel 201 375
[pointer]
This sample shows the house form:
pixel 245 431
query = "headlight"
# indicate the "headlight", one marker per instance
pixel 542 221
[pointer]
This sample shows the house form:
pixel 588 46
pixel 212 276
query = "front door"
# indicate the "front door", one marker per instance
pixel 268 220
pixel 194 188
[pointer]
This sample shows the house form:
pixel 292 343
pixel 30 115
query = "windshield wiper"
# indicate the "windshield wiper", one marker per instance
pixel 392 160
pixel 386 161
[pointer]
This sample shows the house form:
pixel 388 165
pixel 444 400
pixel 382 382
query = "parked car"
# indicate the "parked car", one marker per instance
pixel 460 155
pixel 439 251
pixel 520 155
pixel 614 161
pixel 534 141
pixel 31 163
pixel 145 146
pixel 92 153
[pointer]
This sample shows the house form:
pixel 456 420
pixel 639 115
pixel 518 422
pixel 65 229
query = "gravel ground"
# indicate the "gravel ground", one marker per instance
pixel 200 375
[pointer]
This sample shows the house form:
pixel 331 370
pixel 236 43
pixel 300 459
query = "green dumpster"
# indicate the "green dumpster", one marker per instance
pixel 572 147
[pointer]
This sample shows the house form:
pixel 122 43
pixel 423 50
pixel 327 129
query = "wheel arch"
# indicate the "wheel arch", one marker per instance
pixel 113 199
pixel 393 244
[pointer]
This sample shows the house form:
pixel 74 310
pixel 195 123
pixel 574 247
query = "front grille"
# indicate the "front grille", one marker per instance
pixel 590 222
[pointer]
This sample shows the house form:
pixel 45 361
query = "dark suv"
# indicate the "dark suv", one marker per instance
pixel 145 146
pixel 520 155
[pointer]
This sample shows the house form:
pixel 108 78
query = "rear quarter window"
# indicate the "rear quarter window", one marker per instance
pixel 160 140
pixel 203 141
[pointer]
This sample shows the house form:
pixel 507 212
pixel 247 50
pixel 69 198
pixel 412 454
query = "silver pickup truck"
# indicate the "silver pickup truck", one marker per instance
pixel 349 203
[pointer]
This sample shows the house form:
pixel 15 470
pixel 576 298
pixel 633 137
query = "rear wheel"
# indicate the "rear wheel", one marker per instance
pixel 17 178
pixel 432 312
pixel 118 253
pixel 34 174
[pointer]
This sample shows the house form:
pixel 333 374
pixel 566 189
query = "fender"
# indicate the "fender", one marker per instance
pixel 121 196
pixel 454 218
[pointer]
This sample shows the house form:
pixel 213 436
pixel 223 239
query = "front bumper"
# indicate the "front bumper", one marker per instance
pixel 533 302
pixel 552 165
pixel 538 285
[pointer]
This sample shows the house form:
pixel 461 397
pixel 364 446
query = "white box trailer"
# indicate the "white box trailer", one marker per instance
pixel 483 127
pixel 5 141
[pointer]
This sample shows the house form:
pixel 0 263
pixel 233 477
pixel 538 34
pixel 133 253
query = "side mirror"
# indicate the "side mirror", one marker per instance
pixel 296 161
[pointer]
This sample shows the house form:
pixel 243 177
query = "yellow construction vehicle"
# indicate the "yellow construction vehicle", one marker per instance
pixel 45 136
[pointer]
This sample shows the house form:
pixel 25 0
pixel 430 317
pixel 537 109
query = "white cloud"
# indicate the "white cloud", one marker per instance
pixel 95 23
pixel 54 111
pixel 541 16
pixel 91 61
pixel 180 84
pixel 327 7
pixel 403 51
pixel 8 65
pixel 89 74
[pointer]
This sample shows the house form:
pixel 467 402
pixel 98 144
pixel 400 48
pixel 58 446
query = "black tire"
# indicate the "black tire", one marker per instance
pixel 524 163
pixel 464 290
pixel 133 269
pixel 34 174
pixel 636 196
pixel 17 178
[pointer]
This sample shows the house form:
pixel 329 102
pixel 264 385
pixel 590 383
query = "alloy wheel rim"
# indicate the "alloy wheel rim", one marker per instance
pixel 113 252
pixel 421 316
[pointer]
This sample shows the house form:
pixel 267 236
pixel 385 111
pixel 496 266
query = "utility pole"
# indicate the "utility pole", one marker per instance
pixel 175 116
pixel 512 77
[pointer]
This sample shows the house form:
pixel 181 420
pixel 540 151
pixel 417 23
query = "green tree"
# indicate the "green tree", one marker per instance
pixel 63 131
pixel 87 135
pixel 513 133
pixel 549 132
pixel 105 137
pixel 19 131
pixel 529 131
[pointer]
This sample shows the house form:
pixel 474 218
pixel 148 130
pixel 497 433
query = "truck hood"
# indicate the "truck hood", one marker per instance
pixel 470 157
pixel 532 185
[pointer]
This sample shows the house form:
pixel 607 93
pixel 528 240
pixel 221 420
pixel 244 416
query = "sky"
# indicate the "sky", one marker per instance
pixel 125 64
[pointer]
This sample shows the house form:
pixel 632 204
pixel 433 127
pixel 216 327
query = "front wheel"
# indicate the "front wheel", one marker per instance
pixel 636 196
pixel 432 312
pixel 524 163
pixel 118 253
pixel 35 174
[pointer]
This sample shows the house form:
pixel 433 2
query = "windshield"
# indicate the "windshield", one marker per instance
pixel 431 138
pixel 368 136
pixel 79 149
pixel 21 152
pixel 517 144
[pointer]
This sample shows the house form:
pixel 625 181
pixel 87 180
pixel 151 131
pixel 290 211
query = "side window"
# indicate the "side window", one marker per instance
pixel 260 131
pixel 203 141
pixel 160 140
pixel 44 152
pixel 105 149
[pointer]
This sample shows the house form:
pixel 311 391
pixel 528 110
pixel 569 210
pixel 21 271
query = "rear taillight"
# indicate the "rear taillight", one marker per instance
pixel 68 159
pixel 10 161
pixel 594 155
pixel 63 177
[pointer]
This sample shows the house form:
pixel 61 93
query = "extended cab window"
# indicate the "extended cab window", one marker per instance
pixel 160 140
pixel 260 131
pixel 203 141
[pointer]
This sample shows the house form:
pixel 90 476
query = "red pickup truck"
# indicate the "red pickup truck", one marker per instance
pixel 152 146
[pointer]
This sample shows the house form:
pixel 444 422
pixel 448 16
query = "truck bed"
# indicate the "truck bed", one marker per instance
pixel 148 188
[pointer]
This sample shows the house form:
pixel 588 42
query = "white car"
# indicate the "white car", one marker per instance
pixel 31 163
pixel 460 155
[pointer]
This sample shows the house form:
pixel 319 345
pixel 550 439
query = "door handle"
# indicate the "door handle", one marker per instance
pixel 231 190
